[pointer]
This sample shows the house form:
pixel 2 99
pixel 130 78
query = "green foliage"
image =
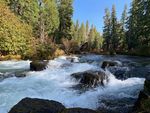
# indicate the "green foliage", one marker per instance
pixel 48 18
pixel 65 16
pixel 27 10
pixel 122 33
pixel 14 35
pixel 138 24
pixel 114 28
pixel 82 34
pixel 107 30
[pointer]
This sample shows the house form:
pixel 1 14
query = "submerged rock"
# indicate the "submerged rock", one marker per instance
pixel 11 74
pixel 72 59
pixel 91 78
pixel 6 75
pixel 28 105
pixel 38 65
pixel 106 64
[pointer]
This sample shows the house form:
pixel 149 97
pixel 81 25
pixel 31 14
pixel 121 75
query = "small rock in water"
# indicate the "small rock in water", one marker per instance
pixel 106 64
pixel 72 59
pixel 38 65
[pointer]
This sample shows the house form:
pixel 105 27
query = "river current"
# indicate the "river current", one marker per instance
pixel 55 83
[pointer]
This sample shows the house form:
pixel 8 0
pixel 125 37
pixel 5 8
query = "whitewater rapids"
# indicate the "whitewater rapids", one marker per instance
pixel 55 83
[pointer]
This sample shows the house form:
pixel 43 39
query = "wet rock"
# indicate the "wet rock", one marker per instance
pixel 80 110
pixel 72 59
pixel 28 105
pixel 106 64
pixel 142 105
pixel 11 74
pixel 147 85
pixel 38 65
pixel 84 47
pixel 138 106
pixel 34 105
pixel 6 75
pixel 23 74
pixel 91 78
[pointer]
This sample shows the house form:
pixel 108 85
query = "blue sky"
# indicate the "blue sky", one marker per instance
pixel 93 10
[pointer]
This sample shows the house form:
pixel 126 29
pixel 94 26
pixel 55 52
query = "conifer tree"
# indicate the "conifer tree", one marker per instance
pixel 65 9
pixel 132 33
pixel 106 29
pixel 114 36
pixel 82 34
pixel 87 29
pixel 123 29
pixel 48 18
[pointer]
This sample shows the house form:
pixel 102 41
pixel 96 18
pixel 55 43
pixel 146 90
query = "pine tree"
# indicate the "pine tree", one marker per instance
pixel 75 31
pixel 147 22
pixel 123 29
pixel 132 33
pixel 97 43
pixel 114 36
pixel 87 29
pixel 106 30
pixel 82 34
pixel 65 9
pixel 143 22
pixel 48 19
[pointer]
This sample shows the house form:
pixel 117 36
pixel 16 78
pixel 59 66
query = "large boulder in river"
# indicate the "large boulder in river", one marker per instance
pixel 91 78
pixel 79 110
pixel 147 85
pixel 38 65
pixel 108 63
pixel 142 105
pixel 28 105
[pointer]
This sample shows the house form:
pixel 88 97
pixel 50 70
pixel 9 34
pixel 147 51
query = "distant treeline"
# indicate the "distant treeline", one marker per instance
pixel 41 29
pixel 132 33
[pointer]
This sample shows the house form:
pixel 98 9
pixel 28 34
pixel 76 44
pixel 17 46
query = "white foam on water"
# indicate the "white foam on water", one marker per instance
pixel 12 64
pixel 55 83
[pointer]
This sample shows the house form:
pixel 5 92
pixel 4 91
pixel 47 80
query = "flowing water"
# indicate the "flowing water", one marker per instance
pixel 55 83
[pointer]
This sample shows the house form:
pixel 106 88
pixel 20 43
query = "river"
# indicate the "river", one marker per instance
pixel 55 82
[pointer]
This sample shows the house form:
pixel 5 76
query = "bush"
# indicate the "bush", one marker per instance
pixel 58 52
pixel 70 46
